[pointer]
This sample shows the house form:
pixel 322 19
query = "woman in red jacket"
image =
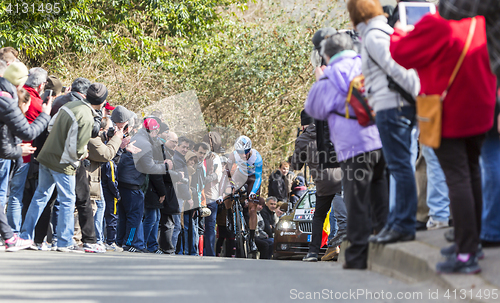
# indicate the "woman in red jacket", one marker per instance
pixel 433 48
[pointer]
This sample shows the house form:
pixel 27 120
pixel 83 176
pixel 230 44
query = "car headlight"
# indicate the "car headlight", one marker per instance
pixel 286 225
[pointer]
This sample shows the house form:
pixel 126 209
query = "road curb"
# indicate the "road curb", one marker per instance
pixel 415 261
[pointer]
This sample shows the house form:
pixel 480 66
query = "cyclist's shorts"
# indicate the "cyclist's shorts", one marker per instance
pixel 248 182
pixel 258 199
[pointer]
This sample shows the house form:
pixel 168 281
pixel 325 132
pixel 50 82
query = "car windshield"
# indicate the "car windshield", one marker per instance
pixel 307 201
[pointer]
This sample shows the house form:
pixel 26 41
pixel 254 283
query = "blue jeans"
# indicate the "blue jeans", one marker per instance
pixel 490 164
pixel 437 190
pixel 47 181
pixel 99 219
pixel 395 127
pixel 130 211
pixel 414 155
pixel 210 230
pixel 338 216
pixel 190 234
pixel 15 204
pixel 150 224
pixel 55 217
pixel 177 230
pixel 4 181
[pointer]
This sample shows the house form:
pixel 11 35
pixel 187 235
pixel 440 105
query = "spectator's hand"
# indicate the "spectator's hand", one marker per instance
pixel 169 163
pixel 27 149
pixel 47 107
pixel 182 174
pixel 125 142
pixel 406 29
pixel 318 72
pixel 131 148
pixel 162 198
pixel 219 200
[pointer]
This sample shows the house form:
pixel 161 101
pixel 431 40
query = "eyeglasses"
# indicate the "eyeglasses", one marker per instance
pixel 243 151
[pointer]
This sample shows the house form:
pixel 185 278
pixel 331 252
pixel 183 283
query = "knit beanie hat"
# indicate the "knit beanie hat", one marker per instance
pixel 97 93
pixel 321 34
pixel 305 119
pixel 120 114
pixel 16 73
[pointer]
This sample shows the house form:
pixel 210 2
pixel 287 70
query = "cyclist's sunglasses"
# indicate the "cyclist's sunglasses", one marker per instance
pixel 244 151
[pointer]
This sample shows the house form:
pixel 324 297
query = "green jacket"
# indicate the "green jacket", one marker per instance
pixel 69 132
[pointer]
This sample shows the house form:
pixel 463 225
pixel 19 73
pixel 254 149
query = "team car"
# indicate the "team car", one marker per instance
pixel 294 230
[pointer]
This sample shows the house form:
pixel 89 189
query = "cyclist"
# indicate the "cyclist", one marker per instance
pixel 244 167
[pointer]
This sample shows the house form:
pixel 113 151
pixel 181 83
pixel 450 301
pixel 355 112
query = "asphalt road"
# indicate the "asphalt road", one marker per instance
pixel 31 276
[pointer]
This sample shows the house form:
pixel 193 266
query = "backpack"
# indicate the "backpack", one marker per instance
pixel 357 99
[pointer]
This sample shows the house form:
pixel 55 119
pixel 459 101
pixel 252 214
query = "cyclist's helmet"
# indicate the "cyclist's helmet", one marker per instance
pixel 243 145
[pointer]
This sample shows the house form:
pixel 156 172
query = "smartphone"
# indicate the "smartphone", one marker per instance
pixel 49 93
pixel 411 12
pixel 63 90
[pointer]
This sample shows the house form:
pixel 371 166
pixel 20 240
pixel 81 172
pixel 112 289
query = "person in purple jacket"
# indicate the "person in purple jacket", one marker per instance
pixel 359 149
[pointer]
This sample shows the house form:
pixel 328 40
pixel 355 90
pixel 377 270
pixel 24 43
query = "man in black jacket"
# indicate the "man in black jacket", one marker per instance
pixel 170 205
pixel 277 183
pixel 328 186
pixel 155 198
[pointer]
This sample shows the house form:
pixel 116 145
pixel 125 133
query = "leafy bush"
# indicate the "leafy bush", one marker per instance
pixel 249 68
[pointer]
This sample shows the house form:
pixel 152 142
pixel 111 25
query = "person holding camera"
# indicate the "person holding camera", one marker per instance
pixel 102 151
pixel 390 90
pixel 132 171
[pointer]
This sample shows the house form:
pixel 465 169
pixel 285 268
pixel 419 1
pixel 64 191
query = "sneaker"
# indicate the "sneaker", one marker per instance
pixel 331 253
pixel 132 249
pixel 310 257
pixel 435 224
pixel 71 249
pixel 43 246
pixel 158 251
pixel 93 248
pixel 15 243
pixel 455 266
pixel 53 247
pixel 113 247
pixel 451 251
pixel 253 246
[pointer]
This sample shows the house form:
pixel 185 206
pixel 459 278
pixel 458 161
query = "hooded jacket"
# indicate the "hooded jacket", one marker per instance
pixel 16 123
pixel 327 101
pixel 375 43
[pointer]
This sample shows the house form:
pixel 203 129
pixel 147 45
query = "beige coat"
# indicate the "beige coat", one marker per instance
pixel 98 154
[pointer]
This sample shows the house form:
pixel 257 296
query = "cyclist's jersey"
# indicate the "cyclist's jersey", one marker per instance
pixel 251 167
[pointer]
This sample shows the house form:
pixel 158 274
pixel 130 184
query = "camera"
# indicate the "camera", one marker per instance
pixel 111 132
